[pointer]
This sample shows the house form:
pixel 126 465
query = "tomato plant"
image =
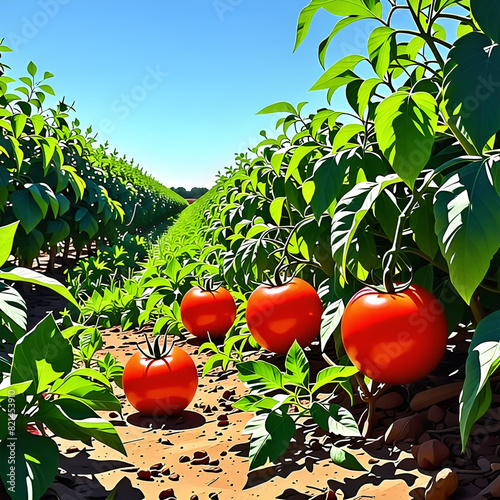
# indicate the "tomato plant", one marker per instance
pixel 395 338
pixel 278 315
pixel 160 381
pixel 208 311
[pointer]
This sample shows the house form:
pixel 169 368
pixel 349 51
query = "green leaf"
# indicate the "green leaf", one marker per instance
pixel 323 46
pixel 32 69
pixel 38 123
pixel 255 403
pixel 345 134
pixel 345 459
pixel 328 79
pixel 365 93
pixel 7 234
pixel 48 89
pixel 279 107
pixel 296 366
pixel 42 355
pixel 474 100
pixel 405 125
pixel 276 209
pixel 364 8
pixel 386 211
pixel 29 276
pixel 381 49
pixel 298 155
pixel 330 321
pixel 351 210
pixel 72 419
pixel 328 177
pixel 18 124
pixel 213 362
pixel 467 212
pixel 270 436
pixel 332 374
pixel 90 342
pixel 308 189
pixel 48 145
pixel 14 389
pixel 18 152
pixel 260 376
pixel 421 220
pixel 424 277
pixel 335 419
pixel 94 395
pixel 35 465
pixel 482 361
pixel 89 373
pixel 486 15
pixel 27 209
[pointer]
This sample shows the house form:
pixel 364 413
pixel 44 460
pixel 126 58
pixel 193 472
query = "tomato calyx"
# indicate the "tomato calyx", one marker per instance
pixel 155 351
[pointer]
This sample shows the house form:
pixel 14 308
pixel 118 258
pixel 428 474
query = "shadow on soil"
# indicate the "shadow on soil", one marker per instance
pixel 185 420
pixel 77 480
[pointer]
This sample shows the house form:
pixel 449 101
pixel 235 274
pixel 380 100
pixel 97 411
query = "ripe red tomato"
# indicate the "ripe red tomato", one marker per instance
pixel 213 311
pixel 394 338
pixel 160 387
pixel 278 315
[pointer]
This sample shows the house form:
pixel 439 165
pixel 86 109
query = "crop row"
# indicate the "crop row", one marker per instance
pixel 59 183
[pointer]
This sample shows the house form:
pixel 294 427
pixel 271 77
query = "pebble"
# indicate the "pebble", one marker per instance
pixel 144 474
pixel 435 414
pixel 228 393
pixel 483 463
pixel 223 453
pixel 404 428
pixel 168 493
pixel 194 497
pixel 390 401
pixel 166 471
pixel 201 461
pixel 200 454
pixel 442 486
pixel 72 449
pixel 184 458
pixel 222 416
pixel 167 442
pixel 451 419
pixel 222 423
pixel 315 444
pixel 157 466
pixel 113 414
pixel 214 462
pixel 174 477
pixel 212 469
pixel 432 454
pixel 481 482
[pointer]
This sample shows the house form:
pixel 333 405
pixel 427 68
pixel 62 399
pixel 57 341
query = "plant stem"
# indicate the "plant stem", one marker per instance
pixel 468 147
pixel 476 307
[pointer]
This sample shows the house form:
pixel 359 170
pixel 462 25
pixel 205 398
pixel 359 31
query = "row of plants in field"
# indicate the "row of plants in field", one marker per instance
pixel 394 202
pixel 59 183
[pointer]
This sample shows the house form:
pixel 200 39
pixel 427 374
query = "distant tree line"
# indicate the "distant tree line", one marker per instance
pixel 195 192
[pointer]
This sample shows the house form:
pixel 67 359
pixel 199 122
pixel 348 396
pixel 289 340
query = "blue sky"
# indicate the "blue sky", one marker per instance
pixel 175 85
